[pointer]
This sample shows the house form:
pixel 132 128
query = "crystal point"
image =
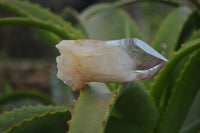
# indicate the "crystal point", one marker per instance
pixel 125 60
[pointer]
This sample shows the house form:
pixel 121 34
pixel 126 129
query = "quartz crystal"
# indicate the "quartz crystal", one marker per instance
pixel 125 60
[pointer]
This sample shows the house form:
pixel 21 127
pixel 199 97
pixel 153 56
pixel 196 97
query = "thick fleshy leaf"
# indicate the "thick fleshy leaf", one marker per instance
pixel 158 87
pixel 17 99
pixel 26 9
pixel 90 109
pixel 99 25
pixel 167 40
pixel 48 123
pixel 182 97
pixel 192 128
pixel 122 126
pixel 106 110
pixel 176 73
pixel 60 92
pixel 72 16
pixel 193 115
pixel 9 120
pixel 129 109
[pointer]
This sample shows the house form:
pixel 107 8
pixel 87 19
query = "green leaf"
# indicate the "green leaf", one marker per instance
pixel 173 79
pixel 38 24
pixel 90 109
pixel 14 120
pixel 158 87
pixel 169 32
pixel 190 26
pixel 71 15
pixel 26 9
pixel 18 99
pixel 182 97
pixel 48 123
pixel 61 93
pixel 98 8
pixel 167 40
pixel 194 113
pixel 98 109
pixel 195 35
pixel 121 126
pixel 192 128
pixel 128 107
pixel 109 24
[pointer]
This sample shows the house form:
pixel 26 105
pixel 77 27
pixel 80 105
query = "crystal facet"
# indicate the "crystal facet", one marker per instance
pixel 124 60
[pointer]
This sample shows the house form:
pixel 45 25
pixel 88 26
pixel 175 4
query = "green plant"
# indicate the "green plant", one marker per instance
pixel 169 103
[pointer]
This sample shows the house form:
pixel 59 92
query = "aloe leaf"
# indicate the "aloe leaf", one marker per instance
pixel 128 108
pixel 61 93
pixel 122 24
pixel 90 109
pixel 182 97
pixel 190 26
pixel 98 8
pixel 195 35
pixel 119 126
pixel 71 15
pixel 17 99
pixel 47 123
pixel 26 9
pixel 166 40
pixel 194 113
pixel 14 118
pixel 176 73
pixel 158 87
pixel 192 128
pixel 38 24
pixel 106 110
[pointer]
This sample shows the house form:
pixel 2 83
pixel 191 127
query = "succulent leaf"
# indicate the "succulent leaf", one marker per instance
pixel 13 118
pixel 122 25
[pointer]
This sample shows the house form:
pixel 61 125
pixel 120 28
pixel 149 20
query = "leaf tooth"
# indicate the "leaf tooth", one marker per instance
pixel 4 111
pixel 39 105
pixel 36 115
pixel 74 101
pixel 22 121
pixel 37 4
pixel 68 122
pixel 163 46
pixel 48 112
pixel 81 91
pixel 115 94
pixel 162 53
pixel 71 110
pixel 13 126
pixel 49 21
pixel 103 123
pixel 65 28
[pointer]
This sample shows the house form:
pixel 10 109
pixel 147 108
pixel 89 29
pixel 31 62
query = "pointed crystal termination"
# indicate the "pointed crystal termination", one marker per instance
pixel 125 60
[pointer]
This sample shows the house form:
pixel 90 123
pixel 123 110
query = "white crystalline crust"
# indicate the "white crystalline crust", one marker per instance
pixel 83 61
